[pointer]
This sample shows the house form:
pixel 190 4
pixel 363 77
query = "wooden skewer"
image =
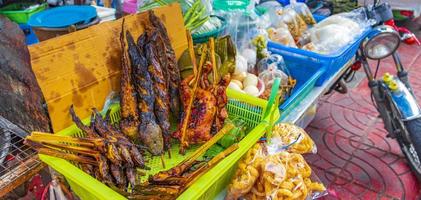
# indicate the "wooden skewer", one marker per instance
pixel 190 105
pixel 189 160
pixel 195 175
pixel 67 156
pixel 54 139
pixel 163 161
pixel 191 52
pixel 213 59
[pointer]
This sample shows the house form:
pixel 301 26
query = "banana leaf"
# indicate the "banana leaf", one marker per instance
pixel 225 52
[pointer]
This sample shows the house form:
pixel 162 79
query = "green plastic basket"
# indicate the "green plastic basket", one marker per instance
pixel 14 12
pixel 246 107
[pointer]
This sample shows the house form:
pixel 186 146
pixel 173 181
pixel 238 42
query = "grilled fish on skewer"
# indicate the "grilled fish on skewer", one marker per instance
pixel 131 175
pixel 129 115
pixel 169 64
pixel 90 133
pixel 162 103
pixel 127 151
pixel 150 133
pixel 119 178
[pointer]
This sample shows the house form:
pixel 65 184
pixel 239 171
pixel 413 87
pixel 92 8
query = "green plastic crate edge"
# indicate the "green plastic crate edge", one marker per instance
pixel 97 190
pixel 23 16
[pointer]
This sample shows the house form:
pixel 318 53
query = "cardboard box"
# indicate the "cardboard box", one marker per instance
pixel 82 68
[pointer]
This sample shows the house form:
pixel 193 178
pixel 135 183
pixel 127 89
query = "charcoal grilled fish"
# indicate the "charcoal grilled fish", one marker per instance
pixel 149 132
pixel 129 115
pixel 162 102
pixel 169 62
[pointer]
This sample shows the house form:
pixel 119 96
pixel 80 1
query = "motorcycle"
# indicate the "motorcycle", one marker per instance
pixel 392 95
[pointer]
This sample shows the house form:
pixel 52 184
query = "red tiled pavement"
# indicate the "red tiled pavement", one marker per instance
pixel 355 160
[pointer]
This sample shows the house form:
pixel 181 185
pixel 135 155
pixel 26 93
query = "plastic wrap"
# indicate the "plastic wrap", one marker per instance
pixel 281 35
pixel 244 28
pixel 271 68
pixel 291 138
pixel 336 31
pixel 303 11
pixel 295 23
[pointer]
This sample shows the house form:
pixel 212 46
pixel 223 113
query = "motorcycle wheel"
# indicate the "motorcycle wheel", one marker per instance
pixel 412 149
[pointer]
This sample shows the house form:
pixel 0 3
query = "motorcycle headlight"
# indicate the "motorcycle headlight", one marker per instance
pixel 381 42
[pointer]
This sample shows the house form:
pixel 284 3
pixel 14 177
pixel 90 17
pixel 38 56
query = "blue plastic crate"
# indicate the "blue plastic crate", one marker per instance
pixel 306 76
pixel 332 62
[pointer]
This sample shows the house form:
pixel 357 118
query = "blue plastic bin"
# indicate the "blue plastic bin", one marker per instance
pixel 306 76
pixel 332 63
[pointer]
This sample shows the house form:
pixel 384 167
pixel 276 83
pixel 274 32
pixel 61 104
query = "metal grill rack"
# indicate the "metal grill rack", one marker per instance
pixel 18 162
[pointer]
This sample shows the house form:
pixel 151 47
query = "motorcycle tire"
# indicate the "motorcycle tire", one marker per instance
pixel 412 149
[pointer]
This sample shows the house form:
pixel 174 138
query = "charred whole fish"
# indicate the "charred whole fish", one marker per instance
pixel 129 116
pixel 162 103
pixel 169 62
pixel 149 132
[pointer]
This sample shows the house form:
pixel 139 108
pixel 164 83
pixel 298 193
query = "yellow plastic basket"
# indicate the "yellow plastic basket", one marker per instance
pixel 248 108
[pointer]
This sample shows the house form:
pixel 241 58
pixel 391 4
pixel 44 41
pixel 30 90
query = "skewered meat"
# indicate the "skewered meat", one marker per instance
pixel 104 170
pixel 221 102
pixel 205 101
pixel 114 154
pixel 117 175
pixel 129 115
pixel 88 131
pixel 203 110
pixel 131 176
pixel 150 133
pixel 169 62
pixel 162 102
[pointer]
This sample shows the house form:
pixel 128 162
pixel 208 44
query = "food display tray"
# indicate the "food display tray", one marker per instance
pixel 209 185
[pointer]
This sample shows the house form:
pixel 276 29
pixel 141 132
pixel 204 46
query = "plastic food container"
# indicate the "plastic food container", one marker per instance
pixel 15 13
pixel 44 33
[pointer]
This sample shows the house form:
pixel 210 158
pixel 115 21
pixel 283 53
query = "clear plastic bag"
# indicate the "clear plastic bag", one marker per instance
pixel 291 138
pixel 283 175
pixel 281 35
pixel 336 31
pixel 244 28
pixel 247 173
pixel 303 11
pixel 295 23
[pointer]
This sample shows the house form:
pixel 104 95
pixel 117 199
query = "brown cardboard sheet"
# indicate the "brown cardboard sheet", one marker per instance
pixel 83 67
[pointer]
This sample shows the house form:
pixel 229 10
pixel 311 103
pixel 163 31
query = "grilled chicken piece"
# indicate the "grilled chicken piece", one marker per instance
pixel 169 63
pixel 221 102
pixel 203 110
pixel 162 102
pixel 150 133
pixel 129 115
